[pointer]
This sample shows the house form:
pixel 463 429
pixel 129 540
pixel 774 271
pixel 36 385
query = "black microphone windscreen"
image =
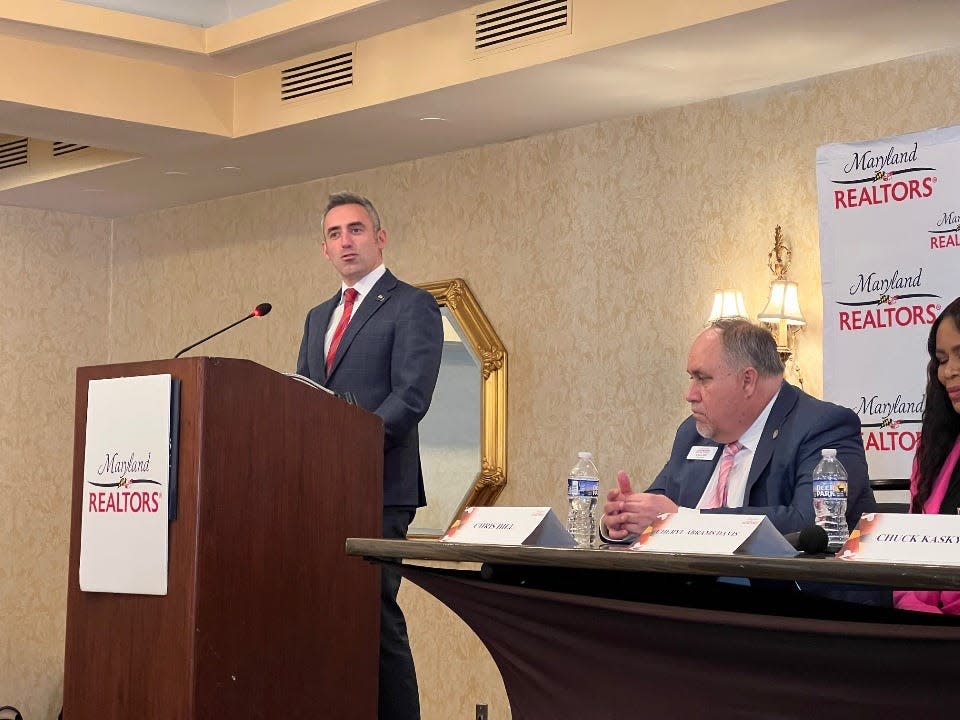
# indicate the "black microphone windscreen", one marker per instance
pixel 262 309
pixel 813 539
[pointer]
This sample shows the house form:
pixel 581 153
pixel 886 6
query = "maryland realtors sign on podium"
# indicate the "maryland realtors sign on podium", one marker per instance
pixel 126 486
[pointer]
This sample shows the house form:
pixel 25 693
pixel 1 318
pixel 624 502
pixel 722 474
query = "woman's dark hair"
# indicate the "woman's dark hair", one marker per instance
pixel 941 423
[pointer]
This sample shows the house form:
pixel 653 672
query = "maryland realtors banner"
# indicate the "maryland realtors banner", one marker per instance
pixel 890 261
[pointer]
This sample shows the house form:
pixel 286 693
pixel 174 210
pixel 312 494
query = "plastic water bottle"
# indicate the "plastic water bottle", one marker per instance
pixel 830 498
pixel 583 487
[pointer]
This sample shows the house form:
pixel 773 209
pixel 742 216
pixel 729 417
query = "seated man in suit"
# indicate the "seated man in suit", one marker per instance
pixel 380 340
pixel 750 444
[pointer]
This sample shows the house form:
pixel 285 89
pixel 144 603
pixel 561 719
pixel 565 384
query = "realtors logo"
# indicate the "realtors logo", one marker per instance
pixel 947 234
pixel 117 498
pixel 887 434
pixel 879 186
pixel 890 309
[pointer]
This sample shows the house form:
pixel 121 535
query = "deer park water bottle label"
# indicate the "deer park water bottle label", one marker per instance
pixel 584 487
pixel 830 489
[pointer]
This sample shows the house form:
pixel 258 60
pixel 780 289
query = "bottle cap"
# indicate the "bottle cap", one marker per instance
pixel 584 455
pixel 828 453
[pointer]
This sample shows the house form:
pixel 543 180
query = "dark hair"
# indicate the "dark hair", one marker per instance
pixel 349 198
pixel 941 423
pixel 745 344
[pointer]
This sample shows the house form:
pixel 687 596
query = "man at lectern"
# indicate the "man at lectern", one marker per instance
pixel 380 340
pixel 750 444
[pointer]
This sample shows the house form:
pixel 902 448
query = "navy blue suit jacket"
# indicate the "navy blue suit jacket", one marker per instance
pixel 388 358
pixel 779 485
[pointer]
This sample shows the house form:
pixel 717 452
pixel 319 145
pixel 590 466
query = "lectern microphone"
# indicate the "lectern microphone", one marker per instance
pixel 259 311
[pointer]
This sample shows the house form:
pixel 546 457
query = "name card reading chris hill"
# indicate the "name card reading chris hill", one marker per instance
pixel 530 526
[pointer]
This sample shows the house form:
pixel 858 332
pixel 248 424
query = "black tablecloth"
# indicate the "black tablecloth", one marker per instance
pixel 637 645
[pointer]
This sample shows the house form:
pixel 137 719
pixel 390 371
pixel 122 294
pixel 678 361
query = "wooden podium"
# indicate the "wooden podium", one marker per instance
pixel 265 615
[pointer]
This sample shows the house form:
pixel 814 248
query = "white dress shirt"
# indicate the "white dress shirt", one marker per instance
pixel 363 288
pixel 740 472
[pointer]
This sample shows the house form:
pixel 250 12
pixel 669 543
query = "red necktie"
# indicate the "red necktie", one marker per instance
pixel 719 498
pixel 349 296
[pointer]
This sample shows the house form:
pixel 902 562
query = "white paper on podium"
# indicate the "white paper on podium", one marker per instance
pixel 903 538
pixel 530 526
pixel 126 474
pixel 714 534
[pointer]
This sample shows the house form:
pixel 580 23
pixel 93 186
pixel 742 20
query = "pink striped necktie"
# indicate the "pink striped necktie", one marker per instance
pixel 719 498
pixel 349 297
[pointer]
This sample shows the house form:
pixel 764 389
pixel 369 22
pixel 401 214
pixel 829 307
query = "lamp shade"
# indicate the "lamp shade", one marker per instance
pixel 783 305
pixel 727 304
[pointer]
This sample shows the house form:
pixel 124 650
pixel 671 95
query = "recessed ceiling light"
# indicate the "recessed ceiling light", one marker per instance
pixel 230 168
pixel 434 119
pixel 175 172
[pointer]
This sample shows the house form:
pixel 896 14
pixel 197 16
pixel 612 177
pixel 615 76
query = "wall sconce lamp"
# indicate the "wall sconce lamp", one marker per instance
pixel 782 314
pixel 727 304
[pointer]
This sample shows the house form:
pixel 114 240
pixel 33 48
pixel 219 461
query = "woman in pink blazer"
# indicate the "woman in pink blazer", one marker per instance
pixel 935 480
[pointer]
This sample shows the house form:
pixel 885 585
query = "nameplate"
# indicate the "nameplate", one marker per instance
pixel 712 534
pixel 532 526
pixel 702 452
pixel 901 538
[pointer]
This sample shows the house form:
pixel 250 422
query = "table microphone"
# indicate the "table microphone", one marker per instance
pixel 259 311
pixel 812 540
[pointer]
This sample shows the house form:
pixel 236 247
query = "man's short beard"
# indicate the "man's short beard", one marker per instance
pixel 706 430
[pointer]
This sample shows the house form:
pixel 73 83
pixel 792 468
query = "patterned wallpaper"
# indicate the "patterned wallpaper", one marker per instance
pixel 55 281
pixel 594 252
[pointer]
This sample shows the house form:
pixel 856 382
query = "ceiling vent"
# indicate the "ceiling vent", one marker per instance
pixel 520 21
pixel 318 76
pixel 13 153
pixel 65 148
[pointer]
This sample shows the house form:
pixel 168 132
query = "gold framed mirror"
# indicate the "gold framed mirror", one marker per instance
pixel 463 438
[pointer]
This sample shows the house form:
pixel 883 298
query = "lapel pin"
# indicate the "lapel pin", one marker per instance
pixel 775 433
pixel 380 298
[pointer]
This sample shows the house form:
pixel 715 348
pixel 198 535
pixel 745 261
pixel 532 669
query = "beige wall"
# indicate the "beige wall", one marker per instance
pixel 55 290
pixel 593 251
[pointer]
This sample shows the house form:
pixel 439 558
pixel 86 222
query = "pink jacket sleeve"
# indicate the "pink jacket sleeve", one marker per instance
pixel 944 602
pixel 918 600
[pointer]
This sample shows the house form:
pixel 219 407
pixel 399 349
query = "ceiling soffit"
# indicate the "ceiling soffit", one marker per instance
pixel 287 94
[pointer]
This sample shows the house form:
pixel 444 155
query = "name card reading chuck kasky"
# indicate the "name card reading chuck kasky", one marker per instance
pixel 531 526
pixel 901 538
pixel 713 534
